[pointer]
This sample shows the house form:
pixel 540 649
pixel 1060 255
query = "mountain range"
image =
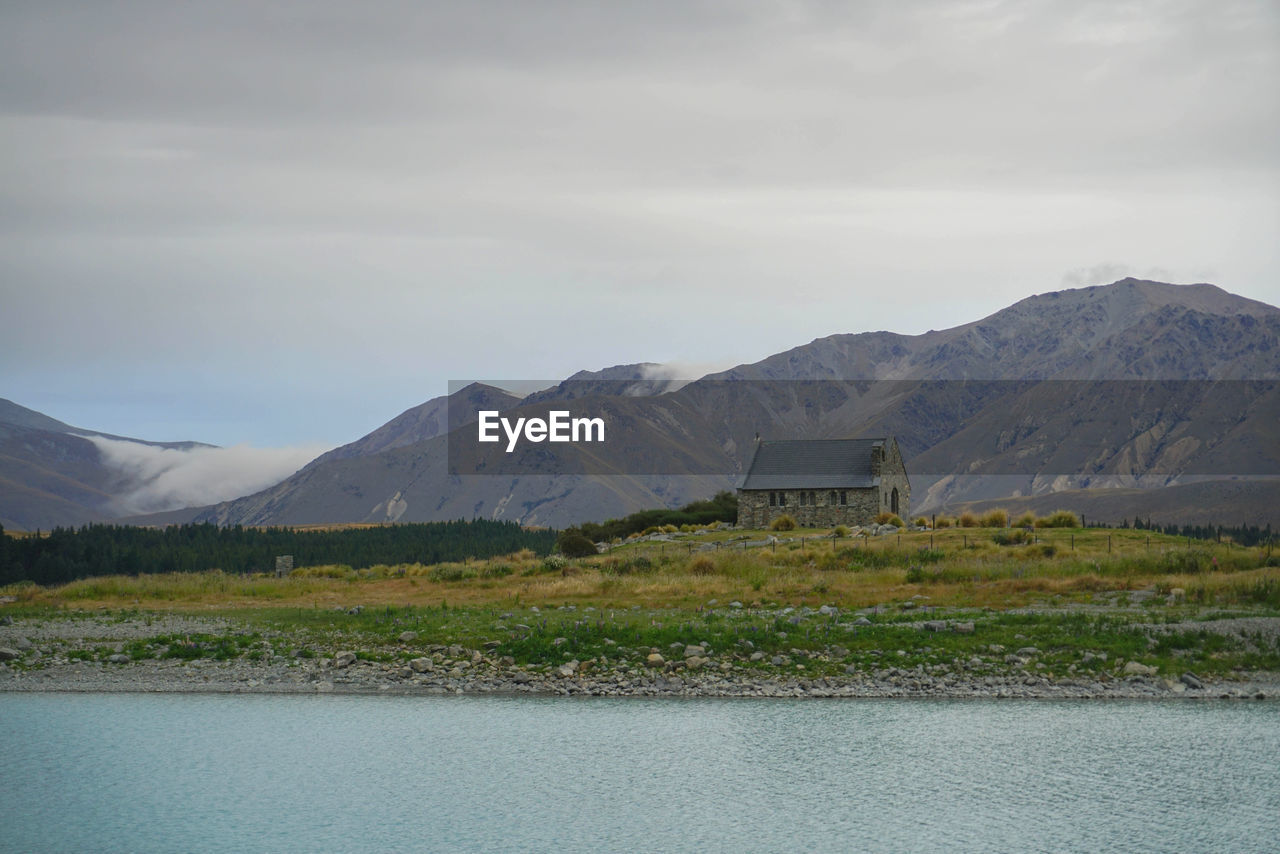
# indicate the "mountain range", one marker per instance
pixel 987 410
pixel 54 474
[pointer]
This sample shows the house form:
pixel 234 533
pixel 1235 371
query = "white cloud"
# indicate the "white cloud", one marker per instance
pixel 156 479
pixel 681 373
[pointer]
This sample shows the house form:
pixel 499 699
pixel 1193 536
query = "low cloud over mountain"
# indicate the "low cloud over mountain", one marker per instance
pixel 159 478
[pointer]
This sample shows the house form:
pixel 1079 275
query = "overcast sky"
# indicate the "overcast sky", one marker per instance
pixel 284 223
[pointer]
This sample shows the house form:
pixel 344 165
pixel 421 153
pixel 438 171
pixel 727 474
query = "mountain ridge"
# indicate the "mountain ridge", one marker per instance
pixel 1200 331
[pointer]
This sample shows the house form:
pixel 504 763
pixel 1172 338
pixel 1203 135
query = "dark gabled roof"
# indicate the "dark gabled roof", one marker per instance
pixel 813 464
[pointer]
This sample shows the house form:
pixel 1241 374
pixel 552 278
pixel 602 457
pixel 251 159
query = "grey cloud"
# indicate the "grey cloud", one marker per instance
pixel 321 187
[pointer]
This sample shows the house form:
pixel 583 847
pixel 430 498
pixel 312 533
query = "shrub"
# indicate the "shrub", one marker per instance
pixel 702 565
pixel 329 570
pixel 887 518
pixel 997 518
pixel 573 544
pixel 785 522
pixel 1012 537
pixel 968 520
pixel 451 572
pixel 1059 519
pixel 501 570
pixel 921 522
pixel 554 562
pixel 944 522
pixel 842 531
pixel 1026 520
pixel 1188 561
pixel 917 575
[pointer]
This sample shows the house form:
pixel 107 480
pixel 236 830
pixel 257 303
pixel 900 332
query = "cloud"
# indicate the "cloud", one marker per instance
pixel 156 479
pixel 389 188
pixel 680 373
pixel 1106 273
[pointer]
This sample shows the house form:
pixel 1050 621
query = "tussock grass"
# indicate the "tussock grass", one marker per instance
pixel 961 567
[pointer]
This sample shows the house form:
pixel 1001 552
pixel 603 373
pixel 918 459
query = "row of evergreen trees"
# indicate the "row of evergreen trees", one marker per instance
pixel 1245 535
pixel 67 553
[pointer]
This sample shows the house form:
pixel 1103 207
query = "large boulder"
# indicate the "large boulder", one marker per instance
pixel 1137 668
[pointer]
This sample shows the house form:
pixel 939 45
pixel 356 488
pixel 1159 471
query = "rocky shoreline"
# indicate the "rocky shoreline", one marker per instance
pixel 35 657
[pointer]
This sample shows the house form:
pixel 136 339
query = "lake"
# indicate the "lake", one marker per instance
pixel 209 772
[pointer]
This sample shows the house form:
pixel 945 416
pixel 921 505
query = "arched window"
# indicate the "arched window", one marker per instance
pixel 893 501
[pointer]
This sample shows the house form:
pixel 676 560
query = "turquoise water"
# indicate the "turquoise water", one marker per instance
pixel 188 773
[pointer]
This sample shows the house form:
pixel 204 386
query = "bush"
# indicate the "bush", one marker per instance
pixel 842 531
pixel 554 562
pixel 1188 561
pixel 1059 519
pixel 968 520
pixel 944 522
pixel 702 565
pixel 451 572
pixel 785 522
pixel 573 544
pixel 921 522
pixel 1012 537
pixel 916 574
pixel 1026 520
pixel 997 518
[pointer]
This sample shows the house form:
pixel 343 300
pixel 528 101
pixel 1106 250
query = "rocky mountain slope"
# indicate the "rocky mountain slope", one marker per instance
pixel 51 474
pixel 1029 434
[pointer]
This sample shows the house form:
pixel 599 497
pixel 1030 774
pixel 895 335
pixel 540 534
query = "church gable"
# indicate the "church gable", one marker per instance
pixel 823 482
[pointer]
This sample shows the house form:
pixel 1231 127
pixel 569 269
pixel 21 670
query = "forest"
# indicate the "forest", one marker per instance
pixel 66 554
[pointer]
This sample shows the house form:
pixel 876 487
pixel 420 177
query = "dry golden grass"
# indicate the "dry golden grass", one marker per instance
pixel 955 567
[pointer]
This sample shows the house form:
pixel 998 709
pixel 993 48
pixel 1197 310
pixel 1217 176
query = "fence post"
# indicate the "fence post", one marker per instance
pixel 1108 544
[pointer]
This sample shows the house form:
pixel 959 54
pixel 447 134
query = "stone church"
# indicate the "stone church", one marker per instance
pixel 824 482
